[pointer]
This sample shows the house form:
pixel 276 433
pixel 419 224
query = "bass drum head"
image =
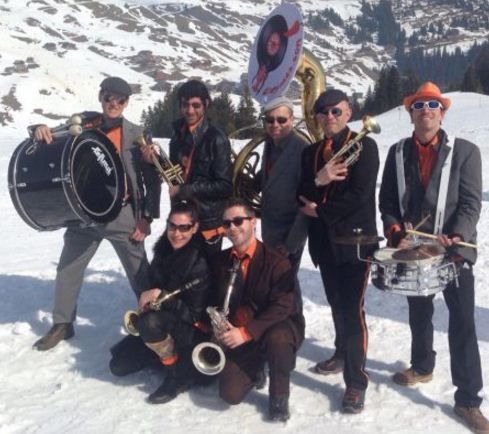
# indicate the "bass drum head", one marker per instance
pixel 97 176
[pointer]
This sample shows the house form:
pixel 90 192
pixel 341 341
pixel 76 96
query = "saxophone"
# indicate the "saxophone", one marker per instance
pixel 208 357
pixel 131 316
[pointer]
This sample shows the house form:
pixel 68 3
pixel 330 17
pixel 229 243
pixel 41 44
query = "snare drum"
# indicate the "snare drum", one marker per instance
pixel 71 182
pixel 421 277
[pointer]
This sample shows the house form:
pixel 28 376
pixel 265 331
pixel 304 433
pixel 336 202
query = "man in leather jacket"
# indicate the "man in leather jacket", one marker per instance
pixel 204 153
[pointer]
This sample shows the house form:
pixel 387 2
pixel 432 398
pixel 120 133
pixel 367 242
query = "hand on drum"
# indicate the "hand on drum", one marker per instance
pixel 309 207
pixel 446 241
pixel 148 296
pixel 43 133
pixel 331 171
pixel 143 229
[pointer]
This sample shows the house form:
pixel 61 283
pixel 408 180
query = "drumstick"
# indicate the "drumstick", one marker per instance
pixel 422 222
pixel 434 237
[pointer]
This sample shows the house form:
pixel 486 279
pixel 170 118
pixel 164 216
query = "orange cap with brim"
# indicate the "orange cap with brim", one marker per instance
pixel 427 90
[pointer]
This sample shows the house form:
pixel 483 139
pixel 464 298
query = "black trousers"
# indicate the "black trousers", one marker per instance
pixel 345 287
pixel 278 347
pixel 465 361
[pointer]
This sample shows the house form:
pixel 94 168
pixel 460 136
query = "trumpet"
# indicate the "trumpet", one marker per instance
pixel 131 316
pixel 208 357
pixel 168 172
pixel 350 153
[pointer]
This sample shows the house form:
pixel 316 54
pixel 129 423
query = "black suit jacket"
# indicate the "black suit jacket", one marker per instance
pixel 350 205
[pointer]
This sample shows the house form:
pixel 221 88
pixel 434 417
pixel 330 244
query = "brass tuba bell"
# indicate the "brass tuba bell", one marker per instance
pixel 247 162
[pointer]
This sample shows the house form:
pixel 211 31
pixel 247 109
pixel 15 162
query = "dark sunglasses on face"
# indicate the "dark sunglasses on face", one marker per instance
pixel 236 221
pixel 172 227
pixel 432 105
pixel 271 120
pixel 335 111
pixel 194 105
pixel 118 99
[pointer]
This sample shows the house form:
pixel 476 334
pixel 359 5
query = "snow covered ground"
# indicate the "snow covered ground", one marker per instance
pixel 70 388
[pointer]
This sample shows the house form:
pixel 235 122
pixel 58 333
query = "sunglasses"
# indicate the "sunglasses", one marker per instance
pixel 335 111
pixel 114 98
pixel 271 119
pixel 236 221
pixel 172 227
pixel 194 105
pixel 431 105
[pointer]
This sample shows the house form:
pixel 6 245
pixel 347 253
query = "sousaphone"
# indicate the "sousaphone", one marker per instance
pixel 277 57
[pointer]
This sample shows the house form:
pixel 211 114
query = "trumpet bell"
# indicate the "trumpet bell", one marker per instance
pixel 208 358
pixel 371 125
pixel 130 321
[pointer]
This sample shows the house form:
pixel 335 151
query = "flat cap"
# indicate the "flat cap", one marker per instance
pixel 116 85
pixel 279 101
pixel 328 98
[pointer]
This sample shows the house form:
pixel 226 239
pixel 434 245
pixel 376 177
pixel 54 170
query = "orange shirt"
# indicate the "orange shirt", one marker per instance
pixel 245 257
pixel 243 313
pixel 427 156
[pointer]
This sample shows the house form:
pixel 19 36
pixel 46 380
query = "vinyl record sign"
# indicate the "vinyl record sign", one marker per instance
pixel 276 53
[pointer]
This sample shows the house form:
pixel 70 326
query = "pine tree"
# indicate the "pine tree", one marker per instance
pixel 222 112
pixel 245 114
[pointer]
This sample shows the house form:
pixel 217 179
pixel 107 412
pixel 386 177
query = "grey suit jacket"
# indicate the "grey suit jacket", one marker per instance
pixel 281 221
pixel 464 199
pixel 143 180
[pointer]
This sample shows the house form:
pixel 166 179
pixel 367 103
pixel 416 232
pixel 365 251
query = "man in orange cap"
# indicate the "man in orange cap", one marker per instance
pixel 416 187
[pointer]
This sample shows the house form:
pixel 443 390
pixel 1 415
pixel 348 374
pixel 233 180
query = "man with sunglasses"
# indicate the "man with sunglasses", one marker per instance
pixel 126 232
pixel 264 323
pixel 283 226
pixel 415 184
pixel 338 200
pixel 204 153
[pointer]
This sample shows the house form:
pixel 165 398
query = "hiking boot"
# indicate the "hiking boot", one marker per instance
pixel 334 365
pixel 473 418
pixel 54 336
pixel 278 407
pixel 410 377
pixel 171 387
pixel 353 401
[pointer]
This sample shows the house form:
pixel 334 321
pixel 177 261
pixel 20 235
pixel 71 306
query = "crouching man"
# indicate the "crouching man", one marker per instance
pixel 265 324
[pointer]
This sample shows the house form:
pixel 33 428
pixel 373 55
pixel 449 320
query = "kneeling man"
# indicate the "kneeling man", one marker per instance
pixel 265 323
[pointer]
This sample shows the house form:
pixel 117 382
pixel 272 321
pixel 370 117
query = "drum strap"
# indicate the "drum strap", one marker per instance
pixel 401 178
pixel 442 191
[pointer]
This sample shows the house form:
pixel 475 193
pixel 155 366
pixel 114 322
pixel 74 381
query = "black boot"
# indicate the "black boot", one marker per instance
pixel 260 379
pixel 279 408
pixel 173 384
pixel 131 355
pixel 54 336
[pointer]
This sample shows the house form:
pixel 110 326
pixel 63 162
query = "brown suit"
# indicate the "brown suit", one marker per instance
pixel 276 325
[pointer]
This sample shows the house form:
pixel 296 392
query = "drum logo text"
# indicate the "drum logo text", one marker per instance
pixel 102 161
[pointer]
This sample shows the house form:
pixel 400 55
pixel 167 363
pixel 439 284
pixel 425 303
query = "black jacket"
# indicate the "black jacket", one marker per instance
pixel 210 177
pixel 171 269
pixel 269 291
pixel 350 205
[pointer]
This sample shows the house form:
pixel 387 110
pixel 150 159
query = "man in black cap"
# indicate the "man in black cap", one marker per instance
pixel 126 232
pixel 339 199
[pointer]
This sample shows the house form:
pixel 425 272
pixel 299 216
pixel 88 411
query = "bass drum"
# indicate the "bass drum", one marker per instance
pixel 74 181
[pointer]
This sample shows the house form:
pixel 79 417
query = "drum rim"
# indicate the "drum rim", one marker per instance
pixel 13 189
pixel 110 151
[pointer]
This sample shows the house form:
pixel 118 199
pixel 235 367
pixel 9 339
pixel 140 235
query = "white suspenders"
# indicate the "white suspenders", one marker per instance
pixel 442 192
